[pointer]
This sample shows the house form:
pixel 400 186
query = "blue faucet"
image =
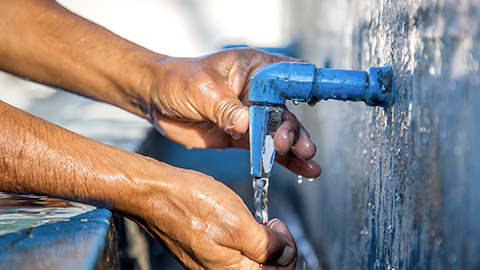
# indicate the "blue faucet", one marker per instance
pixel 271 85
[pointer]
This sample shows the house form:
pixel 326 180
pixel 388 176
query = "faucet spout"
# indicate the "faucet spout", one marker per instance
pixel 264 120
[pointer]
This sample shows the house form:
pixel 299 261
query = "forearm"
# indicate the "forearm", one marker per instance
pixel 44 42
pixel 39 157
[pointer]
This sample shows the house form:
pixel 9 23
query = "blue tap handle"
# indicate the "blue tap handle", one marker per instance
pixel 271 85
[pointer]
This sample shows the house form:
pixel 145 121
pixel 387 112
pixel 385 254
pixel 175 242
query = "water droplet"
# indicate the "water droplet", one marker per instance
pixel 458 150
pixel 83 220
pixel 295 102
pixel 364 152
pixel 438 241
pixel 299 179
pixel 311 179
pixel 409 181
pixel 452 259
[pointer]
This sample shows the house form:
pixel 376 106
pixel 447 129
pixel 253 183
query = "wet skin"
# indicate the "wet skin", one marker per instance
pixel 198 102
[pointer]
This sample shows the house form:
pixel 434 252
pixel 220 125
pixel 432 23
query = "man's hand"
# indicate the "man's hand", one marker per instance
pixel 206 225
pixel 203 103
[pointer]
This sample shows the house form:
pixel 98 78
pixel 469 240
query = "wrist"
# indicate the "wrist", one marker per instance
pixel 144 183
pixel 148 84
pixel 135 80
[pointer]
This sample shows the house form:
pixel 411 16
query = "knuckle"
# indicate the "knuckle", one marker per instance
pixel 224 113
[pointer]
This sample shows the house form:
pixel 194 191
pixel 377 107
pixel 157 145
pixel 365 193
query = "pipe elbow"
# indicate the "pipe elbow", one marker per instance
pixel 274 83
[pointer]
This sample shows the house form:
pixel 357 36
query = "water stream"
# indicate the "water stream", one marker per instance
pixel 260 199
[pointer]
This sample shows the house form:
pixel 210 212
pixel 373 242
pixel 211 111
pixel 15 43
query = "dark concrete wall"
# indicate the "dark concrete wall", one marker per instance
pixel 401 187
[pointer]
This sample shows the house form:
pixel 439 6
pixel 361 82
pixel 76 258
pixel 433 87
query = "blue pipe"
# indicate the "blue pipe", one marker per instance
pixel 274 83
pixel 271 85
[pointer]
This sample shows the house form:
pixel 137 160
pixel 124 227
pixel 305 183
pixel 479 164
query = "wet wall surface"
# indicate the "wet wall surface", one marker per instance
pixel 401 186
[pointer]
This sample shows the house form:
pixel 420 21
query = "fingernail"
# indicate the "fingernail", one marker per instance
pixel 287 256
pixel 272 221
pixel 236 136
pixel 291 137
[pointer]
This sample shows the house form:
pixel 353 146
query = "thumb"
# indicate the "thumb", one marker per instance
pixel 281 228
pixel 231 115
pixel 270 245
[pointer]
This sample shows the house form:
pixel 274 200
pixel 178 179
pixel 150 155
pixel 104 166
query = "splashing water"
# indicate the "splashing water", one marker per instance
pixel 260 199
pixel 19 212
